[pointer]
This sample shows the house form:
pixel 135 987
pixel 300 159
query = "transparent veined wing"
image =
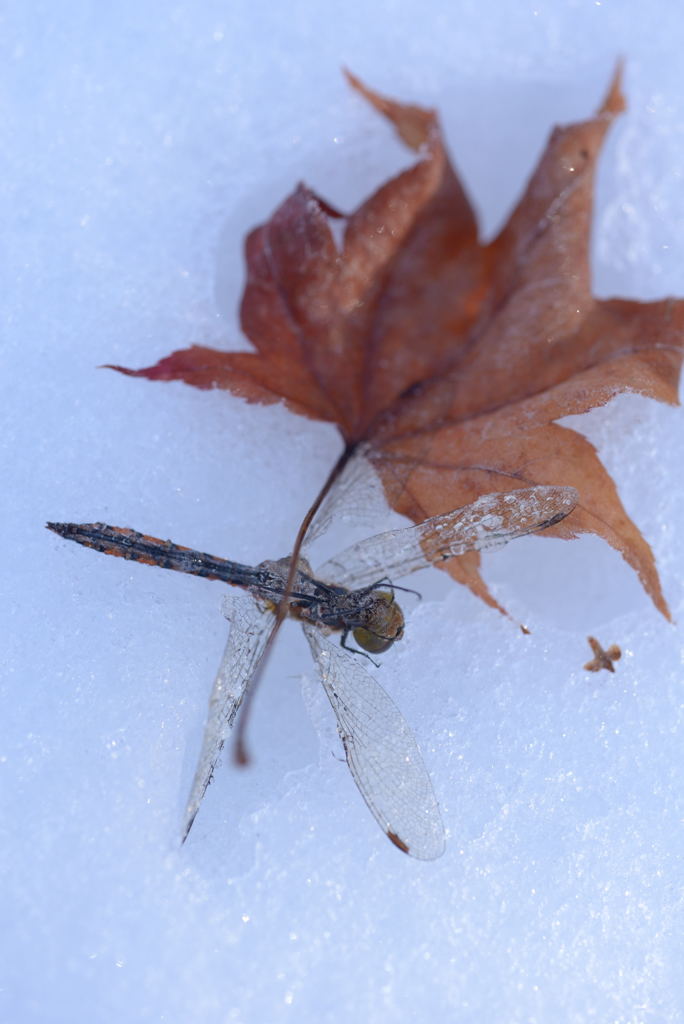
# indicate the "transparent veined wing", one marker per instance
pixel 489 522
pixel 381 751
pixel 356 497
pixel 250 627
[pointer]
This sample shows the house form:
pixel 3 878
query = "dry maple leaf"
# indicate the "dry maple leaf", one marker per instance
pixel 451 361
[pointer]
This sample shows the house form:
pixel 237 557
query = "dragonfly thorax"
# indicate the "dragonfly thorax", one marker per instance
pixel 370 614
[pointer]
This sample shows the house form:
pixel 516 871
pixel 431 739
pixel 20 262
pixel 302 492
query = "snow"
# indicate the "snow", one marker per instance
pixel 140 143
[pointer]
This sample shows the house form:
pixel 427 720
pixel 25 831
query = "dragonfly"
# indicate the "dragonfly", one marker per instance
pixel 352 594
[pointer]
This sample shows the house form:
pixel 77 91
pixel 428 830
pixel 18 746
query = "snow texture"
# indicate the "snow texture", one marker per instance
pixel 140 142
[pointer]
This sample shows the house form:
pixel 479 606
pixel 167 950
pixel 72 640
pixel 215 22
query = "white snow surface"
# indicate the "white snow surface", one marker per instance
pixel 140 142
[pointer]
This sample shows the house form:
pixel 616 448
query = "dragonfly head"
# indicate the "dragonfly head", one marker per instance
pixel 383 623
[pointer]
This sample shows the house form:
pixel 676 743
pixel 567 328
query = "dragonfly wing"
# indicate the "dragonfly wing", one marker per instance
pixel 250 628
pixel 356 497
pixel 489 522
pixel 381 752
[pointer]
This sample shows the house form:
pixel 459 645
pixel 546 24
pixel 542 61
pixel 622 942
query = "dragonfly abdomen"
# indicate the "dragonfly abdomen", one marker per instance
pixel 139 547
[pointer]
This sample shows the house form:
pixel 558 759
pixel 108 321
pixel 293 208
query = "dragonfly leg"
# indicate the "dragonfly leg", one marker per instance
pixel 387 582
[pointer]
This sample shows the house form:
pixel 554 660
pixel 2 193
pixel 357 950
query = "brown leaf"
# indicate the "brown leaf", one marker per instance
pixel 449 360
pixel 602 659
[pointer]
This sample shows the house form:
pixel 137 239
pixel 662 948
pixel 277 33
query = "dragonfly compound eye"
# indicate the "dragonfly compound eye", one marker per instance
pixel 384 623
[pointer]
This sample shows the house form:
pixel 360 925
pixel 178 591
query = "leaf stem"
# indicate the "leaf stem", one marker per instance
pixel 240 754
